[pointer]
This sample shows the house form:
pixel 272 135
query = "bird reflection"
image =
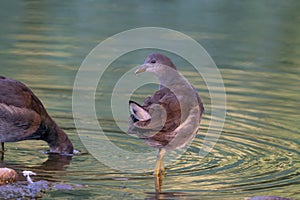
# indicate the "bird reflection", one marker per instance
pixel 54 162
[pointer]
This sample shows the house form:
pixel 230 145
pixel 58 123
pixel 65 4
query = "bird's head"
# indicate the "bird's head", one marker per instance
pixel 155 62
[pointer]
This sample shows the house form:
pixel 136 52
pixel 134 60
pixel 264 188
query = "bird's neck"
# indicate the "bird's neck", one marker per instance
pixel 170 78
pixel 57 139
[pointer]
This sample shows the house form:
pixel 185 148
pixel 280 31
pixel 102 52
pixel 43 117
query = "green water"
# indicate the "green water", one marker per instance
pixel 256 46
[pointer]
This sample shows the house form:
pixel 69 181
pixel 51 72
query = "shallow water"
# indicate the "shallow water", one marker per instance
pixel 256 48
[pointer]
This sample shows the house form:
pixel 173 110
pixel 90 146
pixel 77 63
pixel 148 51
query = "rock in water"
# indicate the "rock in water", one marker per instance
pixel 7 176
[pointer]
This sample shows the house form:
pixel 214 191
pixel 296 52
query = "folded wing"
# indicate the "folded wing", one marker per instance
pixel 17 123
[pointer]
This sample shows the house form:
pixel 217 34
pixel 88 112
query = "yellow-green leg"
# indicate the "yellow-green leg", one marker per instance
pixel 159 167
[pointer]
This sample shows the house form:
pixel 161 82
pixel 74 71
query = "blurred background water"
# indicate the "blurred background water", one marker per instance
pixel 256 46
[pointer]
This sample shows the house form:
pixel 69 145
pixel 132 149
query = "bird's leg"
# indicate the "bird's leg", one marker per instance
pixel 159 167
pixel 162 167
pixel 2 147
pixel 159 170
pixel 2 151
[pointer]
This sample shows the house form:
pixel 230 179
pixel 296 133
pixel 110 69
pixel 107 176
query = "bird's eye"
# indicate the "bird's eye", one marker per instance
pixel 153 61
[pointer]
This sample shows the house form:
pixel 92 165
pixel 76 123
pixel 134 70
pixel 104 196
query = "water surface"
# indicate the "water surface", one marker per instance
pixel 256 47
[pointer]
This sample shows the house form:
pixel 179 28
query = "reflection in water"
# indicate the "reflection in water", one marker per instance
pixel 170 195
pixel 158 181
pixel 55 162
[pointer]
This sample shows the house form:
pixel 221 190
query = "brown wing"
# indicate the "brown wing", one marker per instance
pixel 171 118
pixel 17 94
pixel 17 123
pixel 168 101
pixel 164 110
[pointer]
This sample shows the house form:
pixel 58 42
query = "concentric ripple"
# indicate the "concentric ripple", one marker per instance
pixel 240 165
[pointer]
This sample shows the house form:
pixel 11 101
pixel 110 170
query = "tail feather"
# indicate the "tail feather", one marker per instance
pixel 138 113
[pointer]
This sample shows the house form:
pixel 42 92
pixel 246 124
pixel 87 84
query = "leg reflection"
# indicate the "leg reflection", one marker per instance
pixel 158 180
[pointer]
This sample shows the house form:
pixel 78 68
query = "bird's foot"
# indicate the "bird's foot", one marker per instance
pixel 2 149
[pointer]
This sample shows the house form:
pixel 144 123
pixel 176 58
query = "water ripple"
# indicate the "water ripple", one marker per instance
pixel 241 162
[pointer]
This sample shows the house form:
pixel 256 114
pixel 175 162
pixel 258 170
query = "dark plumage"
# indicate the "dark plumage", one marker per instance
pixel 168 119
pixel 23 117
